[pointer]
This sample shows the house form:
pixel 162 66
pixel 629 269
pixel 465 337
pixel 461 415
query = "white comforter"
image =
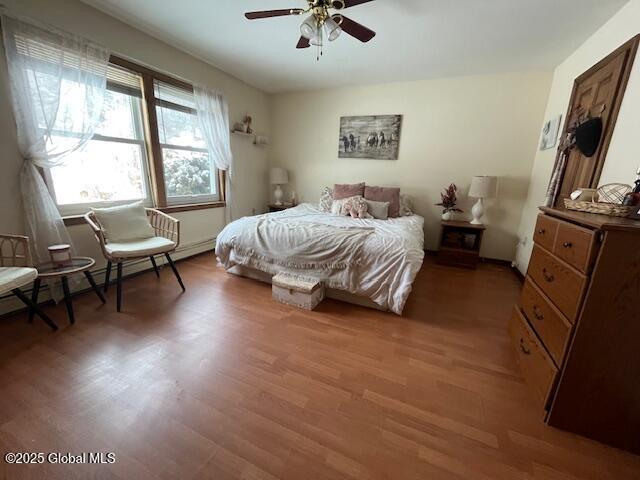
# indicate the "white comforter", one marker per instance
pixel 377 259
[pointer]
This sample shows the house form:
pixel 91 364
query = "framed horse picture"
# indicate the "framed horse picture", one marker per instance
pixel 375 137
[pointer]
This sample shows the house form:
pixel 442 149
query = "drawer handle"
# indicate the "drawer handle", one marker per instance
pixel 542 231
pixel 524 349
pixel 537 314
pixel 567 244
pixel 547 276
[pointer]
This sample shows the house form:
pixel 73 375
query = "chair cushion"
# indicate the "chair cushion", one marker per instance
pixel 16 277
pixel 124 223
pixel 140 248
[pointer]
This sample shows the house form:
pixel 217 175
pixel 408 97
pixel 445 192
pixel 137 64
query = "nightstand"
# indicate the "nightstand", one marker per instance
pixel 279 208
pixel 460 244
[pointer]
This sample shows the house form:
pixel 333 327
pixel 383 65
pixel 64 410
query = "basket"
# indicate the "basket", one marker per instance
pixel 600 208
pixel 614 193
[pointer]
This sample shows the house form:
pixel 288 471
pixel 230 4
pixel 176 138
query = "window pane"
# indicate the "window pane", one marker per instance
pixel 188 173
pixel 179 128
pixel 118 118
pixel 101 172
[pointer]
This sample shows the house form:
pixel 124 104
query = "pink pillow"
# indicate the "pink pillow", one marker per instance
pixel 385 194
pixel 346 191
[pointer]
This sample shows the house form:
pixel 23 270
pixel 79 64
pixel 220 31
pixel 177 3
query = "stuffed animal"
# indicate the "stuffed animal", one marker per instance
pixel 356 207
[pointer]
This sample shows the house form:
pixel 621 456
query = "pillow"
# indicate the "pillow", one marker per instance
pixel 346 191
pixel 326 199
pixel 379 210
pixel 124 223
pixel 385 194
pixel 406 205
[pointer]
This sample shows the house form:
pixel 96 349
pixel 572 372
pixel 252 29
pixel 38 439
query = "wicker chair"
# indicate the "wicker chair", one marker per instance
pixel 167 239
pixel 16 270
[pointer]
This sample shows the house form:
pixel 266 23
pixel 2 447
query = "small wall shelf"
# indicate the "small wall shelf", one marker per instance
pixel 258 140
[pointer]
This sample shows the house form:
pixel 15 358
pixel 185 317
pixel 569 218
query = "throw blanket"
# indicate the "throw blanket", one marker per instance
pixel 303 245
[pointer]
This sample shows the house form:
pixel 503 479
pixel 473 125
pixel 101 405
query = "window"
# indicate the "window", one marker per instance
pixel 112 168
pixel 189 173
pixel 130 158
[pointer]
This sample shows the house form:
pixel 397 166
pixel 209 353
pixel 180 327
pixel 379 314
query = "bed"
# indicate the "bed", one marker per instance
pixel 362 261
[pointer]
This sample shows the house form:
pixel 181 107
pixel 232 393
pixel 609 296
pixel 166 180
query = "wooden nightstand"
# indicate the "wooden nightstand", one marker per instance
pixel 279 208
pixel 460 243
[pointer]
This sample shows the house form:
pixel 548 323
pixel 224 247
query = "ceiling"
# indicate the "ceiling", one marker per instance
pixel 416 39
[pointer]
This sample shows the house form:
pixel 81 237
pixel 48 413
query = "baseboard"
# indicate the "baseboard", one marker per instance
pixel 10 305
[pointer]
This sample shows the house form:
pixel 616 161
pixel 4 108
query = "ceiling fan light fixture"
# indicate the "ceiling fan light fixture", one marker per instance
pixel 332 29
pixel 309 28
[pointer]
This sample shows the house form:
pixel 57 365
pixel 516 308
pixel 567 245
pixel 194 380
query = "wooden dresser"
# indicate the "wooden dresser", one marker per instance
pixel 576 328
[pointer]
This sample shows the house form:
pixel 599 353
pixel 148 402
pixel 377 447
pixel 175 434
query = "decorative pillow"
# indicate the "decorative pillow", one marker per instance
pixel 356 207
pixel 338 207
pixel 385 194
pixel 379 210
pixel 124 223
pixel 406 205
pixel 347 191
pixel 326 199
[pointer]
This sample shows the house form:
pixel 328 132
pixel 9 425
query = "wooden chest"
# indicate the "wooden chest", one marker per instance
pixel 576 328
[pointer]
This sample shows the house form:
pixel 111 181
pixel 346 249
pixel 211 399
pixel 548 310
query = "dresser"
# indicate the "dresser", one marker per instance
pixel 576 327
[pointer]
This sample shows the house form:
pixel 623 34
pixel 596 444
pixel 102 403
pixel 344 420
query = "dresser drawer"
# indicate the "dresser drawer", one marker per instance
pixel 547 321
pixel 561 283
pixel 545 232
pixel 576 246
pixel 537 367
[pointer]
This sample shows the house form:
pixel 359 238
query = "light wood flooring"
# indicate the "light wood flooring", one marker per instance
pixel 221 382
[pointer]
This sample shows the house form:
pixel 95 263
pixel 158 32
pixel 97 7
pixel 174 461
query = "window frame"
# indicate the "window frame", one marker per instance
pixel 153 138
pixel 154 166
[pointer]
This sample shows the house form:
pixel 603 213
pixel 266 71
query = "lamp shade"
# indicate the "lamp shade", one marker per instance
pixel 279 176
pixel 483 187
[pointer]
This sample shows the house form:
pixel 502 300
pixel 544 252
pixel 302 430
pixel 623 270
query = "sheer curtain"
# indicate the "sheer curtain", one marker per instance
pixel 213 117
pixel 58 84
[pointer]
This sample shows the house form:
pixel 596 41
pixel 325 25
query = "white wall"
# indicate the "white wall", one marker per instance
pixel 452 129
pixel 251 161
pixel 623 157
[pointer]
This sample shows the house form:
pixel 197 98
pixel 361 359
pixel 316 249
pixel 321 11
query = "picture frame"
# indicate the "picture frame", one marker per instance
pixel 375 137
pixel 550 130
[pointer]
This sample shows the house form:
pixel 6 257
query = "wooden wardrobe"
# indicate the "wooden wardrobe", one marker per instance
pixel 576 328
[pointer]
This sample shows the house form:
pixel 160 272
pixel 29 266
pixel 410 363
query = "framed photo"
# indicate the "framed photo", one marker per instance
pixel 375 137
pixel 550 133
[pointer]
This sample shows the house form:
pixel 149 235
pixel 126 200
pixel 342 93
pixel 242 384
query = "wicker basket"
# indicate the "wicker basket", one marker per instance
pixel 598 207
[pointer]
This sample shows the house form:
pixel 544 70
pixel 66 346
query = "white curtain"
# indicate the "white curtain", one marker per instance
pixel 213 117
pixel 58 84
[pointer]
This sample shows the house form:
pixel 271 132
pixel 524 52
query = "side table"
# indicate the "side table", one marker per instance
pixel 50 271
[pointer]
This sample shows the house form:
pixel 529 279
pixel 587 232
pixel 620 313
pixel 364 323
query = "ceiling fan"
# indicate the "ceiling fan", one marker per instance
pixel 325 22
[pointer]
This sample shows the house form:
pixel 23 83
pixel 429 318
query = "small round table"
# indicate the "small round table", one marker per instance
pixel 50 270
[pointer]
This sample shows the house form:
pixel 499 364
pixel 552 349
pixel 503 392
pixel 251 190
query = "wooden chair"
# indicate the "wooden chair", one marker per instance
pixel 16 270
pixel 167 239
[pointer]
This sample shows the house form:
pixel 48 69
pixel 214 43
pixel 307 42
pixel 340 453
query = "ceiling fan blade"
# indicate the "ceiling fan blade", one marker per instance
pixel 303 43
pixel 348 3
pixel 355 29
pixel 273 13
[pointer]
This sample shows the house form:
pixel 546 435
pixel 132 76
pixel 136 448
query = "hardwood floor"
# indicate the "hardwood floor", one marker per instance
pixel 221 382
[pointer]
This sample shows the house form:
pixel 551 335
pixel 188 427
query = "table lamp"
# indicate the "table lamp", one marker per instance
pixel 482 187
pixel 279 177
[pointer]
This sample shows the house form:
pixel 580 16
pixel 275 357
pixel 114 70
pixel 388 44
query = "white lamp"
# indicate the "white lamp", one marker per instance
pixel 278 177
pixel 481 188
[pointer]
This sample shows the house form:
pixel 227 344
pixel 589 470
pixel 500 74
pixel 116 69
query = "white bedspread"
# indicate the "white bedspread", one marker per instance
pixel 377 259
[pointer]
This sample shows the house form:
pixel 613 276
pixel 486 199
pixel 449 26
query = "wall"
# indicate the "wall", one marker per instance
pixel 452 129
pixel 623 157
pixel 199 228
